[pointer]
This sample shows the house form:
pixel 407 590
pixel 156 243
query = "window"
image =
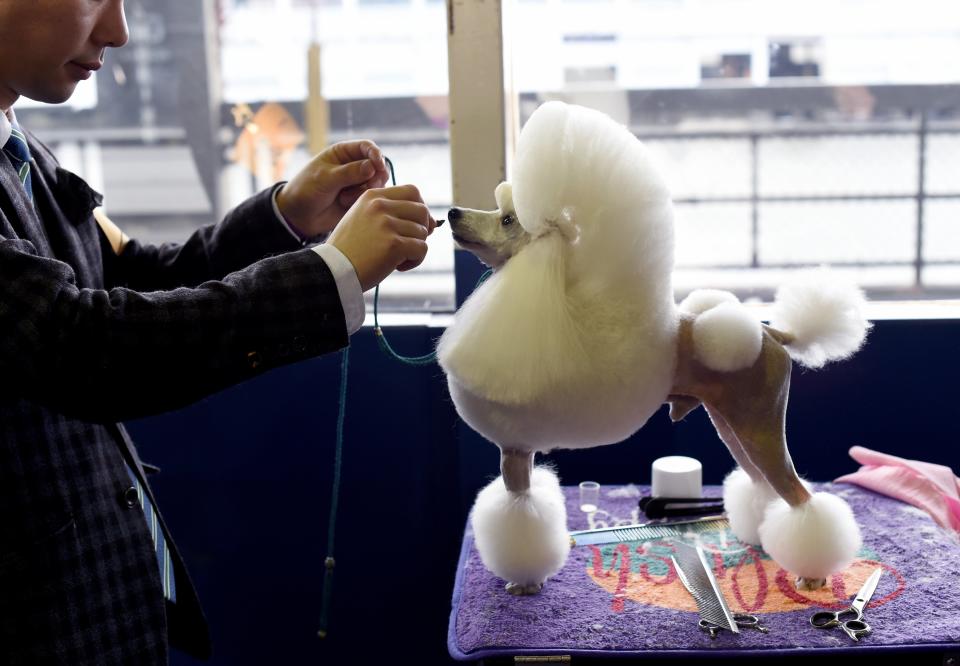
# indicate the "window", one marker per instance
pixel 164 129
pixel 726 66
pixel 792 134
pixel 795 58
pixel 383 74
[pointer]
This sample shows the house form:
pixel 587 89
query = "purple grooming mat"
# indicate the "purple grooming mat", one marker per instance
pixel 624 600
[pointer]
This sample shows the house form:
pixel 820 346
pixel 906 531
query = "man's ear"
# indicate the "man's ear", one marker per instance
pixel 504 196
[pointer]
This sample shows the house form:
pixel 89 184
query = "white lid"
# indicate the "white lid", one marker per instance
pixel 677 476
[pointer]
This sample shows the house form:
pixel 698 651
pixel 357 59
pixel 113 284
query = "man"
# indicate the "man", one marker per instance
pixel 96 328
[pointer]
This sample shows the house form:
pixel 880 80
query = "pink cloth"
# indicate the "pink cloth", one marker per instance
pixel 931 487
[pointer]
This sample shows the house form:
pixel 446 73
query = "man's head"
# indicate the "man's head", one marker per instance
pixel 48 46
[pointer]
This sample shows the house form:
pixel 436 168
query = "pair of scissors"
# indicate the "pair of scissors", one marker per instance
pixel 853 626
pixel 743 620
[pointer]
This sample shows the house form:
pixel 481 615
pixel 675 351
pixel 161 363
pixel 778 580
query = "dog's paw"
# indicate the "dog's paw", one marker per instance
pixel 522 536
pixel 809 584
pixel 813 540
pixel 519 590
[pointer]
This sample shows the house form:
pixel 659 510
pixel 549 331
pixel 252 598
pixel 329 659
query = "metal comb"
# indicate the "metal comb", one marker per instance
pixel 696 574
pixel 647 531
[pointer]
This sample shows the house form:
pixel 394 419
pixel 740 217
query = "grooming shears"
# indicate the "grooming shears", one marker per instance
pixel 743 620
pixel 854 627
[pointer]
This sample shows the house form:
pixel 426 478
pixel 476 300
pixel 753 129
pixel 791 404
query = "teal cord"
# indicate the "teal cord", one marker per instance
pixel 426 359
pixel 329 562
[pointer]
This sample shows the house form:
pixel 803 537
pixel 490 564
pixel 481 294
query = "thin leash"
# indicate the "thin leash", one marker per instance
pixel 426 359
pixel 329 562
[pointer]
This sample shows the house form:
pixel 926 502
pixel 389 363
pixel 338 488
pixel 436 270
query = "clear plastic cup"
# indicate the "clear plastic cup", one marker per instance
pixel 589 496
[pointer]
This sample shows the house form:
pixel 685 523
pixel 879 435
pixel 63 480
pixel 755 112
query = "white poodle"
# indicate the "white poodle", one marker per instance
pixel 575 341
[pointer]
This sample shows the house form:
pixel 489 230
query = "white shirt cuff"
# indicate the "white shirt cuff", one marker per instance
pixel 348 286
pixel 276 211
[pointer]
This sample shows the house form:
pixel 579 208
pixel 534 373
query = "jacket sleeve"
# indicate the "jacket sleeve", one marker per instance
pixel 118 354
pixel 248 233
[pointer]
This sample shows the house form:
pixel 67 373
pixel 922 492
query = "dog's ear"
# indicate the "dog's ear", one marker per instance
pixel 504 196
pixel 518 335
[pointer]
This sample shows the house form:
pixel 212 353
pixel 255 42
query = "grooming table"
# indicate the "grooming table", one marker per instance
pixel 625 601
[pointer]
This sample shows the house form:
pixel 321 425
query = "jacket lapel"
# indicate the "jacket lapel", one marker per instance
pixel 23 216
pixel 66 204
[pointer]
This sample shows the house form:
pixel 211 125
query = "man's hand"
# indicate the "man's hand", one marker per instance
pixel 385 230
pixel 317 198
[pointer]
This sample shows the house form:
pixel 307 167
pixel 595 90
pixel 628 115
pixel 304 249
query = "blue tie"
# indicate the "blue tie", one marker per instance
pixel 16 147
pixel 159 543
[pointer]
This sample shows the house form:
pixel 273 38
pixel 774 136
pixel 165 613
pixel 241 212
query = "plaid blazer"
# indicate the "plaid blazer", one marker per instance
pixel 88 339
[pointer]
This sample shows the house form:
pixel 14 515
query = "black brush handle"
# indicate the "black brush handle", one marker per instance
pixel 667 507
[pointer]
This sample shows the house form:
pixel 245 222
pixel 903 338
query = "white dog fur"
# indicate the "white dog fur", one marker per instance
pixel 813 539
pixel 522 536
pixel 575 341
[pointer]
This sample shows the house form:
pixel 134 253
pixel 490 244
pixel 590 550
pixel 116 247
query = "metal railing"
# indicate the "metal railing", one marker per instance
pixel 924 125
pixel 920 194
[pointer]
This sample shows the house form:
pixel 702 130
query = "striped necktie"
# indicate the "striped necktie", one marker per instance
pixel 18 151
pixel 159 542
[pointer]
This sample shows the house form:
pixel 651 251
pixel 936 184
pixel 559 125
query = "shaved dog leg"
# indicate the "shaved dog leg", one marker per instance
pixel 735 446
pixel 765 448
pixel 517 468
pixel 759 425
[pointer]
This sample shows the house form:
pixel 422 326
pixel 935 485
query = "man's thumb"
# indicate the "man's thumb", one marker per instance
pixel 354 173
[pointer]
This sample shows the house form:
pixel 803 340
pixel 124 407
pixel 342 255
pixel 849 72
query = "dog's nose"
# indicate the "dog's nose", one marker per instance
pixel 454 214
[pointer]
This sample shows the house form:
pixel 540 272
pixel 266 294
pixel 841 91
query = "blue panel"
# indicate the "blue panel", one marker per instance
pixel 247 473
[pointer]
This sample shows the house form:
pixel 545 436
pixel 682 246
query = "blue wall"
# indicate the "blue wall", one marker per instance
pixel 247 473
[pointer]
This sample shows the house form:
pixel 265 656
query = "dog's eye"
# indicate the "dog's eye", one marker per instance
pixel 507 220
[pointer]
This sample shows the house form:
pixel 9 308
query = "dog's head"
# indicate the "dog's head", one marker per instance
pixel 492 236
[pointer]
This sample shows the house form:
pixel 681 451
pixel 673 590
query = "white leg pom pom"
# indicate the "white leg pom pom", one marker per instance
pixel 727 338
pixel 522 537
pixel 745 503
pixel 814 540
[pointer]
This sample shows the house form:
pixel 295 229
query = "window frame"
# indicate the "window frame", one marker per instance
pixel 484 123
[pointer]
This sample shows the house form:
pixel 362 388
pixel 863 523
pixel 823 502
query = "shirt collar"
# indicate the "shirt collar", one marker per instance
pixel 6 126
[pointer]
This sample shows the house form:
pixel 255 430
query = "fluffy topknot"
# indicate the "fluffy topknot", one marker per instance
pixel 602 252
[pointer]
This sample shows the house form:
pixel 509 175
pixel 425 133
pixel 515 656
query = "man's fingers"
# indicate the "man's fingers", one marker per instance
pixel 346 152
pixel 379 179
pixel 381 175
pixel 409 229
pixel 352 174
pixel 407 210
pixel 414 252
pixel 404 201
pixel 401 193
pixel 356 150
pixel 349 196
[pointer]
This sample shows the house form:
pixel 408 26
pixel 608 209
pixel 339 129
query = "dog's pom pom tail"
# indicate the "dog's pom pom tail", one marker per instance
pixel 727 337
pixel 813 540
pixel 699 301
pixel 522 537
pixel 825 315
